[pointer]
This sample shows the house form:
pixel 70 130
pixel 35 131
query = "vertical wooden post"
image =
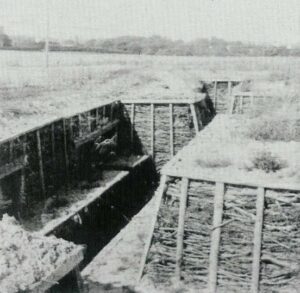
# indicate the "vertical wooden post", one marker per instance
pixel 215 94
pixel 216 237
pixel 180 231
pixel 229 88
pixel 241 103
pixel 232 102
pixel 79 126
pixel 22 198
pixel 159 195
pixel 40 159
pixel 89 117
pixel 11 150
pixel 66 153
pixel 257 239
pixel 195 120
pixel 111 111
pixel 171 130
pixel 152 131
pixel 132 117
pixel 53 154
pixel 97 118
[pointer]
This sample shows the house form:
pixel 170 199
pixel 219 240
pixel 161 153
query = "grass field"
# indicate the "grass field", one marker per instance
pixel 29 93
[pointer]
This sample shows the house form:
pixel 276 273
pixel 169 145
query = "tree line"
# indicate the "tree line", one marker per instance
pixel 157 45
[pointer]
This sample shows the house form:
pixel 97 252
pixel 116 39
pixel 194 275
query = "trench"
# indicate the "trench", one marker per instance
pixel 54 182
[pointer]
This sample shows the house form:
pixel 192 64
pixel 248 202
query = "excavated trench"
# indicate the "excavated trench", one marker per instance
pixel 57 180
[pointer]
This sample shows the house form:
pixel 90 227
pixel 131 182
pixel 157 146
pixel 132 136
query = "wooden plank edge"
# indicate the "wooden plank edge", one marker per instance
pixel 215 237
pixel 92 197
pixel 160 195
pixel 180 231
pixel 287 187
pixel 257 241
pixel 166 101
pixel 55 120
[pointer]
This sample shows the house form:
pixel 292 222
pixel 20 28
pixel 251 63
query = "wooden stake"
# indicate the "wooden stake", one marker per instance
pixel 229 88
pixel 232 102
pixel 159 196
pixel 241 104
pixel 66 153
pixel 215 94
pixel 97 118
pixel 180 231
pixel 79 125
pixel 257 239
pixel 89 116
pixel 171 130
pixel 22 187
pixel 195 120
pixel 11 150
pixel 41 167
pixel 132 123
pixel 53 153
pixel 152 131
pixel 216 237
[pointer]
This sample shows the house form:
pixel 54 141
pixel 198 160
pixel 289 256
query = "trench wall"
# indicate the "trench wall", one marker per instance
pixel 225 237
pixel 220 92
pixel 162 128
pixel 56 156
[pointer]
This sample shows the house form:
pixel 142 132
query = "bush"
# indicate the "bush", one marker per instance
pixel 267 162
pixel 273 129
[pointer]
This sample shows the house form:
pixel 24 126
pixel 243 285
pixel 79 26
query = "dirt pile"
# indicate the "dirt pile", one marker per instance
pixel 26 258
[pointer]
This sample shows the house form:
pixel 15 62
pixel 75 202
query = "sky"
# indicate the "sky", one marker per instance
pixel 255 21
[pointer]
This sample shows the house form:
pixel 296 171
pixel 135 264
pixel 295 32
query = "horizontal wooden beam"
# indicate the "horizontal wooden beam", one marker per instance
pixel 78 207
pixel 49 122
pixel 94 135
pixel 12 167
pixel 124 165
pixel 166 100
pixel 201 177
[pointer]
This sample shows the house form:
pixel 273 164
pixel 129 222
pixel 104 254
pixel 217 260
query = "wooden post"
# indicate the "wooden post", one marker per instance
pixel 229 88
pixel 216 237
pixel 171 130
pixel 232 102
pixel 195 120
pixel 180 231
pixel 215 94
pixel 89 117
pixel 257 239
pixel 97 118
pixel 132 123
pixel 66 153
pixel 152 131
pixel 241 104
pixel 11 150
pixel 22 197
pixel 159 196
pixel 41 167
pixel 53 153
pixel 79 126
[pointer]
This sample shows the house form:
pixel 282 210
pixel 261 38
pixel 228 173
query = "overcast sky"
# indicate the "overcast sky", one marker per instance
pixel 276 21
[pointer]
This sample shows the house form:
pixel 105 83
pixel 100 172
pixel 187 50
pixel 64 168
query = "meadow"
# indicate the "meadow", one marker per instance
pixel 31 93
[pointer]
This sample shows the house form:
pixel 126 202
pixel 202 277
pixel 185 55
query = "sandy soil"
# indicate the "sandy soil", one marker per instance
pixel 27 258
